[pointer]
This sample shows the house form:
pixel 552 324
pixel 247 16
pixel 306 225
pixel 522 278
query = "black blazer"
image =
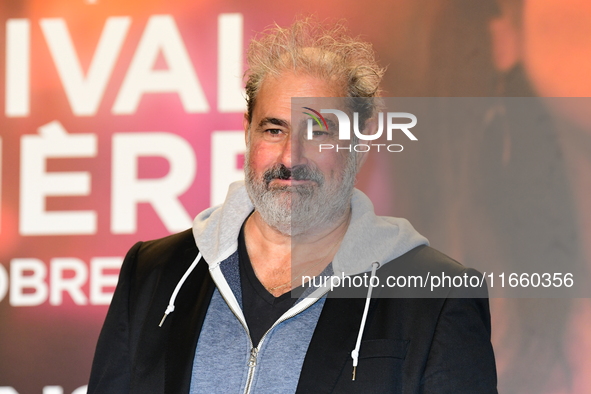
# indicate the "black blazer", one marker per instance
pixel 419 345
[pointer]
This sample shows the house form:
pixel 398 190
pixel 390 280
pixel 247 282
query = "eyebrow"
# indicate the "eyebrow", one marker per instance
pixel 331 125
pixel 275 121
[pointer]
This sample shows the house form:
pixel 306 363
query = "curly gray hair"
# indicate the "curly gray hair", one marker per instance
pixel 317 49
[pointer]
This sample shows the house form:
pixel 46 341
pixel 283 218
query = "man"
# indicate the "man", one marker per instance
pixel 230 324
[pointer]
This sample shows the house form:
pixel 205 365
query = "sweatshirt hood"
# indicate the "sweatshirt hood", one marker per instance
pixel 369 238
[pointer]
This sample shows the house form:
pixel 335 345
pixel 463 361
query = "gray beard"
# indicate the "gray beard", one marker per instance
pixel 295 210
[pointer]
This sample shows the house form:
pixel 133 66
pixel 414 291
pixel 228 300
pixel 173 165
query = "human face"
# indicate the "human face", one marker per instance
pixel 293 186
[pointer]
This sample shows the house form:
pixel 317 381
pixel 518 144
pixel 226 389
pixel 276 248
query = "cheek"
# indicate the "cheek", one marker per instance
pixel 261 157
pixel 332 164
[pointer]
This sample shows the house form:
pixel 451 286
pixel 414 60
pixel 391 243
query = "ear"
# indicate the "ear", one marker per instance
pixel 506 43
pixel 246 125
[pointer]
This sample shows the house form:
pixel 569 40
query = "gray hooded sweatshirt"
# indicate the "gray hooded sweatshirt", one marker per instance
pixel 225 359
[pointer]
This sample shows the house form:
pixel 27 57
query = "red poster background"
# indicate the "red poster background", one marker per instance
pixel 432 48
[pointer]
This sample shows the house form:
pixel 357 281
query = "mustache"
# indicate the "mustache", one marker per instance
pixel 297 173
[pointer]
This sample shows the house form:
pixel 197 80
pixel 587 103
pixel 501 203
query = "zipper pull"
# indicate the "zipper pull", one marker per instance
pixel 252 361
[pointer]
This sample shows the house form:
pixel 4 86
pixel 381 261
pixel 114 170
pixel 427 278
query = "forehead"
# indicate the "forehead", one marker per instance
pixel 276 92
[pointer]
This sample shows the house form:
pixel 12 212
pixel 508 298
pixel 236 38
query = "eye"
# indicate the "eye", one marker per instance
pixel 274 135
pixel 321 136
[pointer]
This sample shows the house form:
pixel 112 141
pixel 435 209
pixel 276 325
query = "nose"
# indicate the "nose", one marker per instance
pixel 293 151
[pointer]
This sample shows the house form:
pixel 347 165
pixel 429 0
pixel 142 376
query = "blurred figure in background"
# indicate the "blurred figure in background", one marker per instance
pixel 504 194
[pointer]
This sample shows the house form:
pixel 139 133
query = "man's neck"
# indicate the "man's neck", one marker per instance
pixel 280 260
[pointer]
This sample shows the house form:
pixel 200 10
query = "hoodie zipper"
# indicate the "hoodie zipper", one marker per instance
pixel 298 308
pixel 252 363
pixel 254 351
pixel 252 360
pixel 234 306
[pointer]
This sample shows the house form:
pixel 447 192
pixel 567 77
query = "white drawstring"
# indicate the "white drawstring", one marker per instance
pixel 170 307
pixel 355 352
